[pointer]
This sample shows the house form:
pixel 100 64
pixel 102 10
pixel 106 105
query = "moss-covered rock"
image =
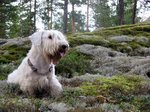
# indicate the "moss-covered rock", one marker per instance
pixel 10 53
pixel 131 34
pixel 10 57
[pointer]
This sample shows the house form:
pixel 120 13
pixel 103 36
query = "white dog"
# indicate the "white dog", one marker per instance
pixel 37 70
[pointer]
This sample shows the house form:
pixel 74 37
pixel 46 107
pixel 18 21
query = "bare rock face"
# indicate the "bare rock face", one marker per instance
pixel 143 51
pixel 122 38
pixel 15 41
pixel 108 62
pixel 98 51
pixel 142 39
pixel 125 38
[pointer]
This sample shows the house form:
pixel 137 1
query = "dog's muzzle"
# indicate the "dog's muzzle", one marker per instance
pixel 59 53
pixel 62 50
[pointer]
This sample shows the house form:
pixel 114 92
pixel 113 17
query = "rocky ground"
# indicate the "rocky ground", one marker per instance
pixel 107 70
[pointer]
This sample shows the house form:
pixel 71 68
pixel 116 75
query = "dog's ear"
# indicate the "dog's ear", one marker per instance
pixel 36 38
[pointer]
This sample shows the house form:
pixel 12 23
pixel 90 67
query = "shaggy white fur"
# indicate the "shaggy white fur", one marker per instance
pixel 48 47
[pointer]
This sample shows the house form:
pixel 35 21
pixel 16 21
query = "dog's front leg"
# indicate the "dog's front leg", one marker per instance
pixel 55 86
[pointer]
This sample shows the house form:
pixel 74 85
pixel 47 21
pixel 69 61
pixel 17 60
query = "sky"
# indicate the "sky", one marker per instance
pixel 144 14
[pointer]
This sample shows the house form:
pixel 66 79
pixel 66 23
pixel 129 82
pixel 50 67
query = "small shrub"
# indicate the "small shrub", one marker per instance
pixel 73 62
pixel 145 104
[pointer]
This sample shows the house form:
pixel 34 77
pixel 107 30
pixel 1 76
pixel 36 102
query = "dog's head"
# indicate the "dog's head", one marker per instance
pixel 53 44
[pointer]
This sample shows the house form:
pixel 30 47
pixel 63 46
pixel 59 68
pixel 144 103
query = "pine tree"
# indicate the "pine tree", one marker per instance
pixel 73 3
pixel 102 13
pixel 47 11
pixel 65 18
pixel 87 16
pixel 8 19
pixel 34 21
pixel 121 12
pixel 27 18
pixel 134 11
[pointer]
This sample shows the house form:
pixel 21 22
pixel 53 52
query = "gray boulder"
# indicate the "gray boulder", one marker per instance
pixel 98 51
pixel 15 41
pixel 142 39
pixel 122 38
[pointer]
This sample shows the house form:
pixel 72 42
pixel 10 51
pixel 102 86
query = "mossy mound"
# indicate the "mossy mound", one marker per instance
pixel 10 53
pixel 133 29
pixel 102 37
pixel 10 58
pixel 121 92
pixel 116 84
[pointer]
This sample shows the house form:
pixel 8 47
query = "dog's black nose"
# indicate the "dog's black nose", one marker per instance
pixel 64 46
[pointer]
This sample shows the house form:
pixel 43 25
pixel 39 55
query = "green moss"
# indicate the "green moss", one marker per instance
pixel 123 89
pixel 134 30
pixel 144 44
pixel 10 58
pixel 127 26
pixel 12 53
pixel 110 86
pixel 101 37
pixel 96 40
pixel 125 49
pixel 139 27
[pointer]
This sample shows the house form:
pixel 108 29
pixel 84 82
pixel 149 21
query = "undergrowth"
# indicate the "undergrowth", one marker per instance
pixel 73 62
pixel 12 53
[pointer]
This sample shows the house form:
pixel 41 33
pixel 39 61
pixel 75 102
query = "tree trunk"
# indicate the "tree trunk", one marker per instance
pixel 35 15
pixel 51 14
pixel 73 21
pixel 121 12
pixel 48 16
pixel 134 11
pixel 30 8
pixel 2 21
pixel 65 18
pixel 30 21
pixel 87 23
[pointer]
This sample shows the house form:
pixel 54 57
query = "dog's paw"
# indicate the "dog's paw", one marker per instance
pixel 56 91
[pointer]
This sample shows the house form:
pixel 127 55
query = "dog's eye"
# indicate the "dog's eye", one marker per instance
pixel 50 37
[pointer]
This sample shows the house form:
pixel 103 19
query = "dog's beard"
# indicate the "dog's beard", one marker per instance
pixel 56 56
